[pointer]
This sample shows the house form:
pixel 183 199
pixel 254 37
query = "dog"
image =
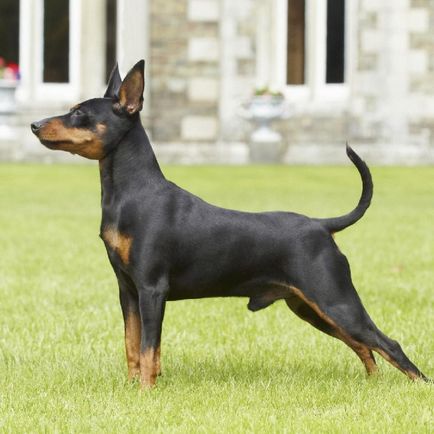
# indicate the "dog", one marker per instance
pixel 166 244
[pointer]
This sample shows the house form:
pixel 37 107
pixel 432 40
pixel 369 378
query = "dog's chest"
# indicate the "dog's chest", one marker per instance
pixel 117 238
pixel 118 244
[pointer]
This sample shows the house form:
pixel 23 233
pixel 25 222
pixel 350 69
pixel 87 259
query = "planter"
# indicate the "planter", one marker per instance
pixel 266 107
pixel 7 110
pixel 265 144
pixel 7 96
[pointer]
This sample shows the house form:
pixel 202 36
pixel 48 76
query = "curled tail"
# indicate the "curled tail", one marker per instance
pixel 336 224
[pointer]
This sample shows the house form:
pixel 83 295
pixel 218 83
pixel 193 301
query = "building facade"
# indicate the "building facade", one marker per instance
pixel 350 70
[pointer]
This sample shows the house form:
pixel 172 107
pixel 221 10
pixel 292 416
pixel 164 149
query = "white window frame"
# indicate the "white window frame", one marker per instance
pixel 32 55
pixel 271 66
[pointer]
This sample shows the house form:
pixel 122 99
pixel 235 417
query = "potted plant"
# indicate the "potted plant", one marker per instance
pixel 265 106
pixel 266 103
pixel 9 77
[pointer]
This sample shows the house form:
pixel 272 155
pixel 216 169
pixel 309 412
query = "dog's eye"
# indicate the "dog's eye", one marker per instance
pixel 77 112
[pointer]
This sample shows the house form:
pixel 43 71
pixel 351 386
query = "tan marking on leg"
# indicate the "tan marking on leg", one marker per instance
pixel 148 367
pixel 386 356
pixel 159 360
pixel 367 358
pixel 363 351
pixel 132 344
pixel 120 243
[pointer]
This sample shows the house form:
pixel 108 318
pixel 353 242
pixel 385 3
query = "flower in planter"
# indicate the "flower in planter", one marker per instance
pixel 9 71
pixel 266 91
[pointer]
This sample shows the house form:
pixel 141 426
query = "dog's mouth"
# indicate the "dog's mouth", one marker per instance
pixel 54 144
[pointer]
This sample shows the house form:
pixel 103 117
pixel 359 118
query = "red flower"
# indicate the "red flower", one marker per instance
pixel 13 66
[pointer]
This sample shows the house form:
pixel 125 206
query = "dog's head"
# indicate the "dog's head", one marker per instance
pixel 94 127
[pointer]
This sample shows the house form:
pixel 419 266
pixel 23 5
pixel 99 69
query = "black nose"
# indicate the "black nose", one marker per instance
pixel 36 126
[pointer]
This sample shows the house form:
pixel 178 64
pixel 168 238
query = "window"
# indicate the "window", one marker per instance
pixel 56 41
pixel 111 30
pixel 9 30
pixel 296 42
pixel 335 41
pixel 328 18
pixel 304 49
pixel 50 40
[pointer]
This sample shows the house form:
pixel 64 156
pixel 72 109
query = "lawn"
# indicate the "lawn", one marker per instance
pixel 225 369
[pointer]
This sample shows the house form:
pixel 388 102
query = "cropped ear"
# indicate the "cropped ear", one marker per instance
pixel 114 83
pixel 131 90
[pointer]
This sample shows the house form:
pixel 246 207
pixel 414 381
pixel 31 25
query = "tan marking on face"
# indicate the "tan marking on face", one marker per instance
pixel 101 128
pixel 76 107
pixel 120 243
pixel 149 365
pixel 132 344
pixel 79 141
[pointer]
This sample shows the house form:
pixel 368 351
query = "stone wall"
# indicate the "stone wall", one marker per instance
pixel 421 40
pixel 204 64
pixel 203 60
pixel 393 85
pixel 184 70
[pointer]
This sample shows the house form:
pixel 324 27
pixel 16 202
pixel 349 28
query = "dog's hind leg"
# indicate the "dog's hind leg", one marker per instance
pixel 308 314
pixel 392 352
pixel 328 291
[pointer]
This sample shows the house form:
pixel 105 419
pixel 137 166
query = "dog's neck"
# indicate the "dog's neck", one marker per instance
pixel 132 165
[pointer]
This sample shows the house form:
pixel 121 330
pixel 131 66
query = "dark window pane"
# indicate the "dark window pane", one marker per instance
pixel 56 41
pixel 9 30
pixel 335 41
pixel 110 41
pixel 296 42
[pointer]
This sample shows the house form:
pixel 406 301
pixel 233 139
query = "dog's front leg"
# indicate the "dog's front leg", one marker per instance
pixel 130 311
pixel 152 302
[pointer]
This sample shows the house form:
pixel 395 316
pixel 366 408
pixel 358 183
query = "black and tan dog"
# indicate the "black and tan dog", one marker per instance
pixel 164 243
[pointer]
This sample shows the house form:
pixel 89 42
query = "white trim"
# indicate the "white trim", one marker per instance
pixel 263 44
pixel 120 28
pixel 315 93
pixel 316 24
pixel 133 40
pixel 351 40
pixel 280 44
pixel 74 44
pixel 24 90
pixel 39 42
pixel 60 92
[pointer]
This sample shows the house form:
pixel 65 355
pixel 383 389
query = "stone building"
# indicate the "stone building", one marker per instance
pixel 356 70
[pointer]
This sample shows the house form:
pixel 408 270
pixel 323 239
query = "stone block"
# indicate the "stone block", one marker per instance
pixel 418 61
pixel 203 10
pixel 243 47
pixel 199 128
pixel 418 20
pixel 240 9
pixel 176 85
pixel 203 89
pixel 371 5
pixel 370 41
pixel 203 49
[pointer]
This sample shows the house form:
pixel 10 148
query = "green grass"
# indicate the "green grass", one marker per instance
pixel 62 366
